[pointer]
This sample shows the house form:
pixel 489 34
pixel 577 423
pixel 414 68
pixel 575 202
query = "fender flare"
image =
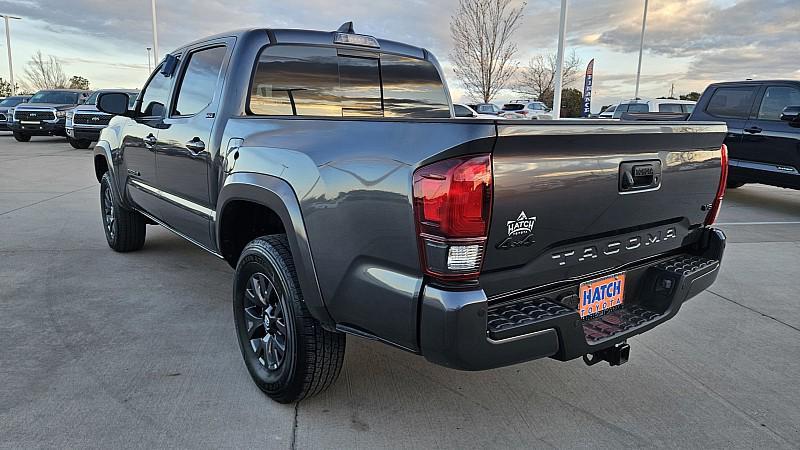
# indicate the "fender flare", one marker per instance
pixel 277 195
pixel 103 148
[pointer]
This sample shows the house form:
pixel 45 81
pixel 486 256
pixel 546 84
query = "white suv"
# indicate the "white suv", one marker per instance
pixel 525 109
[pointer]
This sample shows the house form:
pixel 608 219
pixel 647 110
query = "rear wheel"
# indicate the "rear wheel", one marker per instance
pixel 125 229
pixel 79 143
pixel 286 351
pixel 22 137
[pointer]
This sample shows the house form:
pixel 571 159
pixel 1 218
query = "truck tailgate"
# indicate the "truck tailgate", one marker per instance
pixel 576 198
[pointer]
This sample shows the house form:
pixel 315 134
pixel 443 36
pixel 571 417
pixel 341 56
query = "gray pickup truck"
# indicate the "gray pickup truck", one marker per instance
pixel 85 122
pixel 328 170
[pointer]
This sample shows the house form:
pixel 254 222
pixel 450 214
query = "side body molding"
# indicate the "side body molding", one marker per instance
pixel 277 195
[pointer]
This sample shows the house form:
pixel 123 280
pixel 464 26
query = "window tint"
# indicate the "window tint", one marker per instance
pixel 733 102
pixel 156 95
pixel 132 99
pixel 294 80
pixel 610 109
pixel 486 109
pixel 688 108
pixel 638 107
pixel 671 107
pixel 360 86
pixel 316 81
pixel 776 98
pixel 513 107
pixel 462 111
pixel 412 89
pixel 199 81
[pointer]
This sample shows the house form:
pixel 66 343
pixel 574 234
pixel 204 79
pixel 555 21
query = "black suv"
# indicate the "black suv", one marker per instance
pixel 763 137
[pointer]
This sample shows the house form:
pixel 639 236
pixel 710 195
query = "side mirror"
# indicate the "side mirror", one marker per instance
pixel 115 103
pixel 791 114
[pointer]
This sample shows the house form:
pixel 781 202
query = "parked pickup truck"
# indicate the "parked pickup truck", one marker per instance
pixel 763 119
pixel 45 113
pixel 7 106
pixel 328 170
pixel 84 122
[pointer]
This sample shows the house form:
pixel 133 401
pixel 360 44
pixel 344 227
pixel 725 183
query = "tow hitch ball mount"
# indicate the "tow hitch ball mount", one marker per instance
pixel 615 356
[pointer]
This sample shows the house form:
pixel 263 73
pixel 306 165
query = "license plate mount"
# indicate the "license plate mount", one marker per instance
pixel 601 295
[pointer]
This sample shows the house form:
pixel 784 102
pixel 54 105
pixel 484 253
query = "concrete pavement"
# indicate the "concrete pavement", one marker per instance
pixel 105 350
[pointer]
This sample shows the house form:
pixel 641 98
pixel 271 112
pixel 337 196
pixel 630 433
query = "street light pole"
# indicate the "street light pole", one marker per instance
pixel 155 32
pixel 149 61
pixel 8 47
pixel 641 50
pixel 562 31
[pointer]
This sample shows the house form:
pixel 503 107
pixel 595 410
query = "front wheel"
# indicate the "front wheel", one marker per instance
pixel 81 144
pixel 125 229
pixel 286 351
pixel 22 137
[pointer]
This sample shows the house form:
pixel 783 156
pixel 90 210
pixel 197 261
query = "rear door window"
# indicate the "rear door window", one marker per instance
pixel 731 102
pixel 776 98
pixel 199 81
pixel 638 107
pixel 671 108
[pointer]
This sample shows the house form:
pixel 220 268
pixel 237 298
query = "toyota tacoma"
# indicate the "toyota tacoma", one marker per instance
pixel 328 170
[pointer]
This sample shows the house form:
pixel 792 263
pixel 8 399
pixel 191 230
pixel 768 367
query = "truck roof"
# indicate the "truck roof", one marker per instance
pixel 310 37
pixel 723 83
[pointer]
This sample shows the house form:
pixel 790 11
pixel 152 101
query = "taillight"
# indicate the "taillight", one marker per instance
pixel 452 205
pixel 723 182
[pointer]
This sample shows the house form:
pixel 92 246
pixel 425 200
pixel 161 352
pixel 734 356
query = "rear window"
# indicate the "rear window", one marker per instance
pixel 486 109
pixel 670 107
pixel 513 107
pixel 317 81
pixel 732 102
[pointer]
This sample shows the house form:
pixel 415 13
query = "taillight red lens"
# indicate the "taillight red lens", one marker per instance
pixel 454 197
pixel 452 205
pixel 713 213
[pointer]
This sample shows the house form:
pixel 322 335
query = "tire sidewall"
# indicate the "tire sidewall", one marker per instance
pixel 263 258
pixel 105 184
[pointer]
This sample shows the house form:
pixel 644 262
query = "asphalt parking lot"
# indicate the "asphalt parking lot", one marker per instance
pixel 105 350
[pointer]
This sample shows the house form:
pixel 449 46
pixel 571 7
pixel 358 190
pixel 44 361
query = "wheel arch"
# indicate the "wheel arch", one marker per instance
pixel 275 204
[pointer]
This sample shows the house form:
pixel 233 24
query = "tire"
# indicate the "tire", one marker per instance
pixel 270 314
pixel 80 144
pixel 734 184
pixel 125 229
pixel 22 137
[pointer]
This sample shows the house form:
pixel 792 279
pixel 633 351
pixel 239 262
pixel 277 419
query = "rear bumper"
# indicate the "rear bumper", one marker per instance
pixel 461 330
pixel 41 129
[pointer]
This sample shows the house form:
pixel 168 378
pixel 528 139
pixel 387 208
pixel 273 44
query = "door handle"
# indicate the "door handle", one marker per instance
pixel 150 140
pixel 753 130
pixel 196 146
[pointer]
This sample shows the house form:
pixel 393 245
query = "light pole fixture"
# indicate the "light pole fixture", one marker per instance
pixel 155 32
pixel 562 31
pixel 149 61
pixel 641 50
pixel 8 47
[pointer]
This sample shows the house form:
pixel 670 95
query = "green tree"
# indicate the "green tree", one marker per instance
pixel 78 82
pixel 571 102
pixel 692 96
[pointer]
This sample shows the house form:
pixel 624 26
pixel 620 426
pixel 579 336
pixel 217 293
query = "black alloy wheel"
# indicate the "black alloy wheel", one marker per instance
pixel 264 313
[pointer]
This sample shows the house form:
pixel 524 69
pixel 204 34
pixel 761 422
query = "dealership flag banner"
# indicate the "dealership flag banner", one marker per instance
pixel 587 90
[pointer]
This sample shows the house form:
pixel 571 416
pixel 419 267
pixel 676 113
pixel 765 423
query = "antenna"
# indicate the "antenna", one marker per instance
pixel 346 27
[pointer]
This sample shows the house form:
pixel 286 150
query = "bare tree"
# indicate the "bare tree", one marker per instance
pixel 538 79
pixel 483 52
pixel 44 73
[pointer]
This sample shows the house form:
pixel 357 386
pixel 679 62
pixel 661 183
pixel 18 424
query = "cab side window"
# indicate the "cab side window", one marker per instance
pixel 196 89
pixel 731 102
pixel 156 95
pixel 776 98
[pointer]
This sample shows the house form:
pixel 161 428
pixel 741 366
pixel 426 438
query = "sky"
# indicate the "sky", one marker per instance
pixel 689 43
